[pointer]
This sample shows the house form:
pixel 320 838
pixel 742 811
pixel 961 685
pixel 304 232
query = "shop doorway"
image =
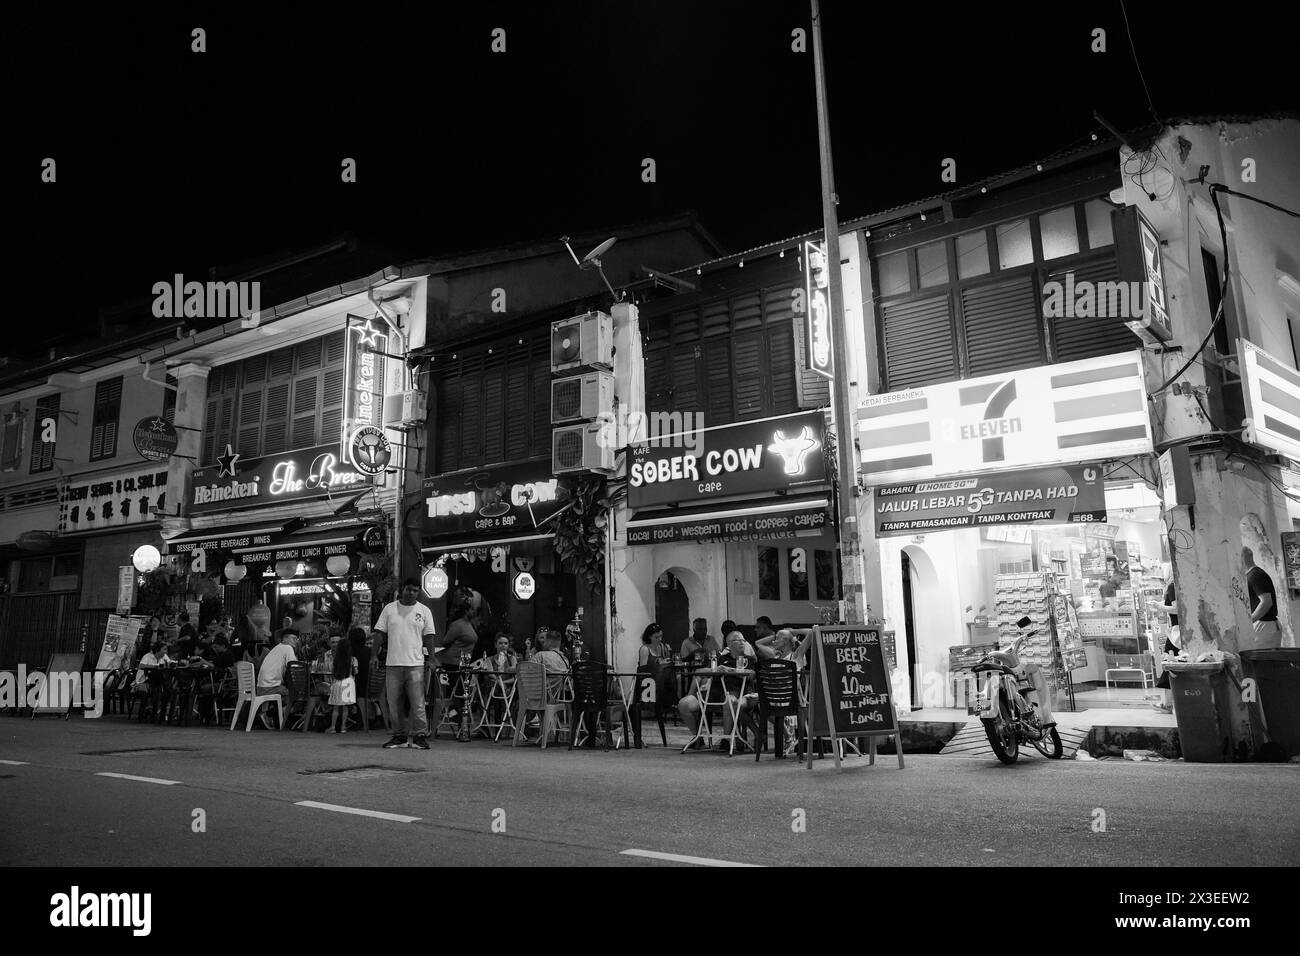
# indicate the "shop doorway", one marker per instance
pixel 909 624
pixel 672 609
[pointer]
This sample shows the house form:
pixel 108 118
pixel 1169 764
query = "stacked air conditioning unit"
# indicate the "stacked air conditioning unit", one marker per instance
pixel 582 392
pixel 406 410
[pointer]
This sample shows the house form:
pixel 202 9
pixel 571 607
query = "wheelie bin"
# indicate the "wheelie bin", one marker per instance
pixel 1276 672
pixel 1202 706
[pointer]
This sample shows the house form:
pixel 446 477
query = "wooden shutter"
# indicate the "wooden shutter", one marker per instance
pixel 108 406
pixel 516 416
pixel 685 365
pixel 248 439
pixel 331 416
pixel 541 392
pixel 781 370
pixel 275 431
pixel 1001 325
pixel 494 406
pixel 471 414
pixel 747 375
pixel 448 421
pixel 11 446
pixel 919 347
pixel 1075 338
pixel 718 407
pixel 306 401
pixel 43 451
pixel 169 400
pixel 658 380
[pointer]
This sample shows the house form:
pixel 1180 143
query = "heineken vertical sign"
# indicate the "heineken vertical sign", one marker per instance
pixel 363 444
pixel 818 308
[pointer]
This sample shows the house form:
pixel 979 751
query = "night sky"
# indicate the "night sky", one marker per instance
pixel 170 161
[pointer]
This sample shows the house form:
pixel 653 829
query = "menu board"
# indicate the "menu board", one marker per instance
pixel 849 692
pixel 1291 558
pixel 120 638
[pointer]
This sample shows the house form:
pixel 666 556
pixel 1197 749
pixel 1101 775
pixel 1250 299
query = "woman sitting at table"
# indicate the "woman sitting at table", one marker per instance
pixel 652 650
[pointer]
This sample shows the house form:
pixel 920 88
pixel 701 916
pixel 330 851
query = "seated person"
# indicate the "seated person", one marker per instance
pixel 271 676
pixel 223 656
pixel 783 646
pixel 690 706
pixel 156 657
pixel 503 656
pixel 554 662
pixel 700 642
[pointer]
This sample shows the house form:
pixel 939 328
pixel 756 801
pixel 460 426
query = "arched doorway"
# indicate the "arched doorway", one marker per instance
pixel 672 609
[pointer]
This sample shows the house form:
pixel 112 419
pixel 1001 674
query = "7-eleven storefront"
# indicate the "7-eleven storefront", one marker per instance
pixel 1026 494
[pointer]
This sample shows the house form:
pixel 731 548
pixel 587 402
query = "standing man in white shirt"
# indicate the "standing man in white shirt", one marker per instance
pixel 403 626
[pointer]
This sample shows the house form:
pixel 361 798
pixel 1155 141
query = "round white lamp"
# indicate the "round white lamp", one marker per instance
pixel 338 565
pixel 146 558
pixel 235 572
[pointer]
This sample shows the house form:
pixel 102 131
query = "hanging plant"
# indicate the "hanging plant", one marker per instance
pixel 377 571
pixel 581 527
pixel 156 589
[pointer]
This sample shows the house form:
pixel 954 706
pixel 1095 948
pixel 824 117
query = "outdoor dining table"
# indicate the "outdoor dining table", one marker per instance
pixel 500 690
pixel 703 684
pixel 167 682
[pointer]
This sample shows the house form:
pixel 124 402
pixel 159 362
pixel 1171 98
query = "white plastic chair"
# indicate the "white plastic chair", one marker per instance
pixel 247 678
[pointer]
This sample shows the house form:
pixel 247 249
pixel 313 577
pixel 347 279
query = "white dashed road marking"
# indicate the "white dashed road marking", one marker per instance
pixel 676 858
pixel 378 815
pixel 14 763
pixel 127 776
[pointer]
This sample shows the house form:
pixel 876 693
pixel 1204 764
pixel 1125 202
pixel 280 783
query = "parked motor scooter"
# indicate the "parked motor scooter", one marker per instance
pixel 1014 705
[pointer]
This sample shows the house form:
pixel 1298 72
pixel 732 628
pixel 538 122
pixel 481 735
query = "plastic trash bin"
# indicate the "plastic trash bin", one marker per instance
pixel 1202 706
pixel 1276 672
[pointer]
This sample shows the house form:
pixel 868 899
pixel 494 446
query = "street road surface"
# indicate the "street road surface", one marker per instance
pixel 261 797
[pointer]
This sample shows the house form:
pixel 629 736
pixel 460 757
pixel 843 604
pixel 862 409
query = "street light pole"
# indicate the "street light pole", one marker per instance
pixel 845 426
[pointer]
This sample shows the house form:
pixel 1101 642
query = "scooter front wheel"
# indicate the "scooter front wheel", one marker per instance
pixel 1002 732
pixel 1050 745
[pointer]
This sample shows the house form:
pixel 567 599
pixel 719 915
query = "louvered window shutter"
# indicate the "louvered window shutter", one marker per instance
pixel 781 370
pixel 541 396
pixel 248 439
pixel 11 451
pixel 1075 338
pixel 658 380
pixel 449 415
pixel 275 430
pixel 471 418
pixel 43 451
pixel 919 346
pixel 718 375
pixel 1001 325
pixel 516 413
pixel 108 406
pixel 306 402
pixel 331 418
pixel 494 406
pixel 747 375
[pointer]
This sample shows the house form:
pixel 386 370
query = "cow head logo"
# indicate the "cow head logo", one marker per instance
pixel 370 450
pixel 793 450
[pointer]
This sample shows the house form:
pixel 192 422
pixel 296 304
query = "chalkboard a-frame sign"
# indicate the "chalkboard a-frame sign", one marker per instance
pixel 849 689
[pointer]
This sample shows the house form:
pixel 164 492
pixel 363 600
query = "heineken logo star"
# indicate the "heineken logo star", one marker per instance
pixel 372 333
pixel 229 463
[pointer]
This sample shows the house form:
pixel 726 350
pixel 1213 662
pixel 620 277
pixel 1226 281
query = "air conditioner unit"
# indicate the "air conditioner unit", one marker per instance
pixel 580 397
pixel 584 341
pixel 580 448
pixel 406 409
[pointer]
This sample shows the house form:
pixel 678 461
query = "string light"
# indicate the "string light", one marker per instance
pixel 782 254
pixel 742 263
